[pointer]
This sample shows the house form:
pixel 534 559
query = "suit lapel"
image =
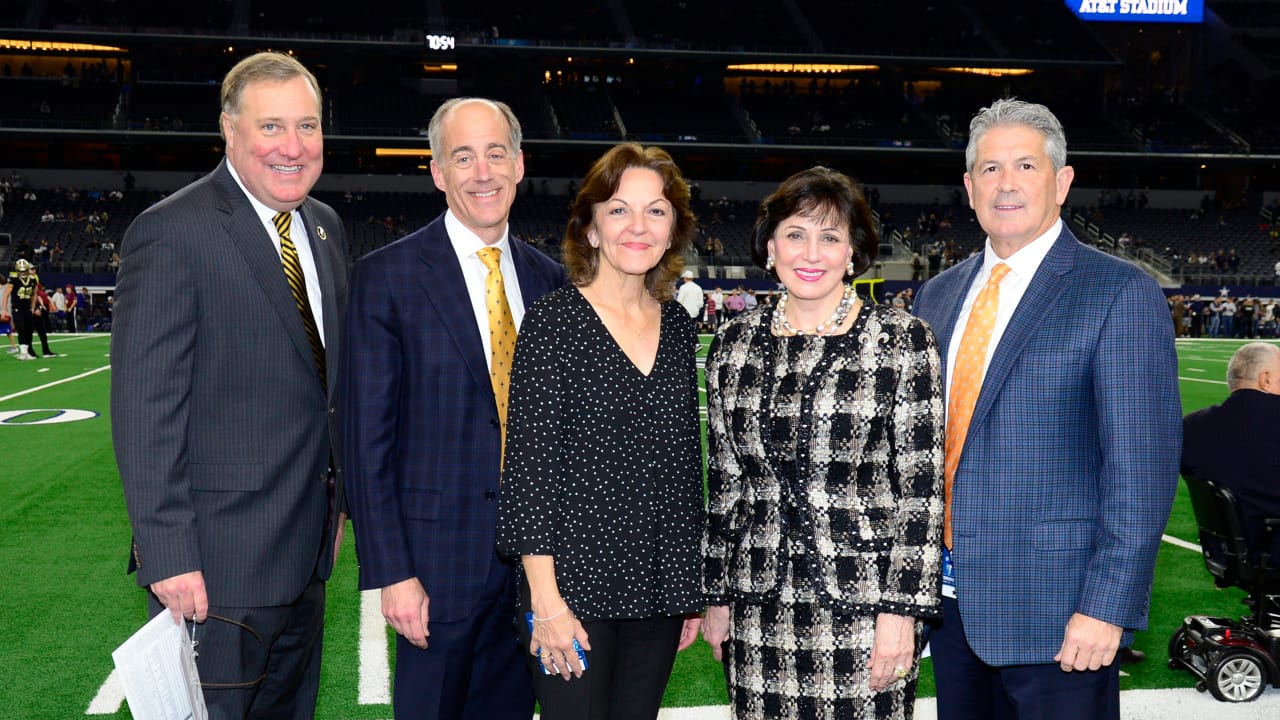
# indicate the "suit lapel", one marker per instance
pixel 250 238
pixel 326 273
pixel 1043 293
pixel 446 290
pixel 952 296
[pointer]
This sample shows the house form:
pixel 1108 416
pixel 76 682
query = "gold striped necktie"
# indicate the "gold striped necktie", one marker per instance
pixel 966 381
pixel 502 333
pixel 298 284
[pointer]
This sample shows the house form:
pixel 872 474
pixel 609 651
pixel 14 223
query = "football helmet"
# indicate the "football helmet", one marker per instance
pixel 23 265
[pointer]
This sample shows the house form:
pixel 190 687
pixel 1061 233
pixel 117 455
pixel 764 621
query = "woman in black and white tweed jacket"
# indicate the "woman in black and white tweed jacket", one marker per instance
pixel 823 538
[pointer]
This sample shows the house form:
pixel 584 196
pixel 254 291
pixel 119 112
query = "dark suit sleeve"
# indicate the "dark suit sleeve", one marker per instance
pixel 369 400
pixel 152 359
pixel 1140 428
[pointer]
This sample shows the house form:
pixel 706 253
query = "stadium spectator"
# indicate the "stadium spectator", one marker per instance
pixel 424 398
pixel 1053 502
pixel 690 296
pixel 73 308
pixel 605 447
pixel 734 304
pixel 41 253
pixel 59 302
pixel 226 447
pixel 41 319
pixel 1235 445
pixel 805 520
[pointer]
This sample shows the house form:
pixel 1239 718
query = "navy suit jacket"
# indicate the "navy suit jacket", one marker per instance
pixel 1235 445
pixel 223 433
pixel 420 423
pixel 1070 464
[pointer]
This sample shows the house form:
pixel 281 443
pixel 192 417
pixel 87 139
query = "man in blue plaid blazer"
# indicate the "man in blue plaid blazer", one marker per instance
pixel 420 421
pixel 1067 472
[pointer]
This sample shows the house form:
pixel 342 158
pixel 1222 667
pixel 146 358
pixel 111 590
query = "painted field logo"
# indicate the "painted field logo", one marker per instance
pixel 44 416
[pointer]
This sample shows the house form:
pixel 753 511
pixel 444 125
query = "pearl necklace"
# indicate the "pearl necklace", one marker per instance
pixel 782 327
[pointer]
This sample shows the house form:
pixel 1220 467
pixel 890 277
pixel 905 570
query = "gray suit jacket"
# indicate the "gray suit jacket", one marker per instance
pixel 222 431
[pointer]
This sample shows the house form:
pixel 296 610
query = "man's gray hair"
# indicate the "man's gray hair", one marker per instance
pixel 1247 362
pixel 442 112
pixel 1011 111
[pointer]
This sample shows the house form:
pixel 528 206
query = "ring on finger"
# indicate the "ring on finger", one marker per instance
pixel 900 672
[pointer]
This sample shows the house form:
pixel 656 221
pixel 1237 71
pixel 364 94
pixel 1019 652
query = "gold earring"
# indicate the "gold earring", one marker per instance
pixel 768 263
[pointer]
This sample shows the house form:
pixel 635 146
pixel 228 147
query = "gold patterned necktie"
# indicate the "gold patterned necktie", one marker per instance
pixel 966 380
pixel 502 333
pixel 298 284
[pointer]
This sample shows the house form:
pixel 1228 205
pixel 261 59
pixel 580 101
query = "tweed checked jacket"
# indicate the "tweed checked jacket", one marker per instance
pixel 866 488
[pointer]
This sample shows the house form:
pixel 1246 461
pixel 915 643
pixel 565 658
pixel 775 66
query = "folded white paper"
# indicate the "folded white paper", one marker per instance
pixel 157 668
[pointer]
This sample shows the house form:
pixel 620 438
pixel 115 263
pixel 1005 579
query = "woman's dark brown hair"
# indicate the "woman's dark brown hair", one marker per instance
pixel 583 261
pixel 819 192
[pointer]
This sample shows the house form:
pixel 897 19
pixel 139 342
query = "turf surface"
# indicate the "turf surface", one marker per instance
pixel 65 601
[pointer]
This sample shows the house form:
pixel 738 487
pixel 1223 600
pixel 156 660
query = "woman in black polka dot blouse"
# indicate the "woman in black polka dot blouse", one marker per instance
pixel 602 480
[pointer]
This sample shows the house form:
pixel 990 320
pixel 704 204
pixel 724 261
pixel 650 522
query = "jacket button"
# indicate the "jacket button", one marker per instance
pixel 493 422
pixel 490 495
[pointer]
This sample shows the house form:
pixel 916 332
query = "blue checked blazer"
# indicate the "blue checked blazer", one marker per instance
pixel 1070 465
pixel 420 421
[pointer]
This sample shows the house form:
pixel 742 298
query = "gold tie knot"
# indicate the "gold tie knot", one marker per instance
pixel 490 256
pixel 998 272
pixel 283 221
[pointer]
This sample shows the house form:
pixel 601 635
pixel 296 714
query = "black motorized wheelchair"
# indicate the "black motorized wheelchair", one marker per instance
pixel 1234 659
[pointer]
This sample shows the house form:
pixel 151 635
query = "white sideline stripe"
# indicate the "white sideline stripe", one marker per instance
pixel 109 698
pixel 46 386
pixel 1181 543
pixel 375 670
pixel 1167 704
pixel 1211 382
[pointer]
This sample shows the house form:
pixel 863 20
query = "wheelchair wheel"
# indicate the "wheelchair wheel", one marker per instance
pixel 1178 648
pixel 1237 677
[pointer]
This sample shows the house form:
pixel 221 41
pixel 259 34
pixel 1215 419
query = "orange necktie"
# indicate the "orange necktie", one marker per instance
pixel 966 379
pixel 502 333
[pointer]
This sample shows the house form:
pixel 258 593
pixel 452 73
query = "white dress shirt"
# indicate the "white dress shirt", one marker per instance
pixel 1022 266
pixel 466 245
pixel 301 241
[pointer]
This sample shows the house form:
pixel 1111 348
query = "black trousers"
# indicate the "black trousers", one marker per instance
pixel 261 662
pixel 41 324
pixel 22 322
pixel 628 667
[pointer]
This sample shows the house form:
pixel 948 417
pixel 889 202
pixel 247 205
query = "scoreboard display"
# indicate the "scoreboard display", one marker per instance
pixel 1146 11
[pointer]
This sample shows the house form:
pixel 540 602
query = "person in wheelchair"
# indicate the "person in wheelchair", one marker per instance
pixel 1235 444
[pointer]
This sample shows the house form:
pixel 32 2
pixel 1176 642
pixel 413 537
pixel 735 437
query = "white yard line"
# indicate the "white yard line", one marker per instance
pixel 46 386
pixel 1202 380
pixel 109 698
pixel 375 670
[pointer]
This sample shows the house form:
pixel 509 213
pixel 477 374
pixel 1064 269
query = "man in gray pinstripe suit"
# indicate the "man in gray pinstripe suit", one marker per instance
pixel 221 419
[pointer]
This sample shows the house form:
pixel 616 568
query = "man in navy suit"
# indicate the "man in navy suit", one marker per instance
pixel 1062 484
pixel 1235 445
pixel 422 429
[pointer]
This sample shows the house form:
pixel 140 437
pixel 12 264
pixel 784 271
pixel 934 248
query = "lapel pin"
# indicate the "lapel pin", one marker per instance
pixel 321 233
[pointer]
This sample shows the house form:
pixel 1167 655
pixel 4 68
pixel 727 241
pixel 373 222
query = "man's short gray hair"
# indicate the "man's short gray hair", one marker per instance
pixel 442 112
pixel 1011 111
pixel 1247 362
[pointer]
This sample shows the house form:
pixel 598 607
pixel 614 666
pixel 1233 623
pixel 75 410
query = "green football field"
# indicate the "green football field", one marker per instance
pixel 66 603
